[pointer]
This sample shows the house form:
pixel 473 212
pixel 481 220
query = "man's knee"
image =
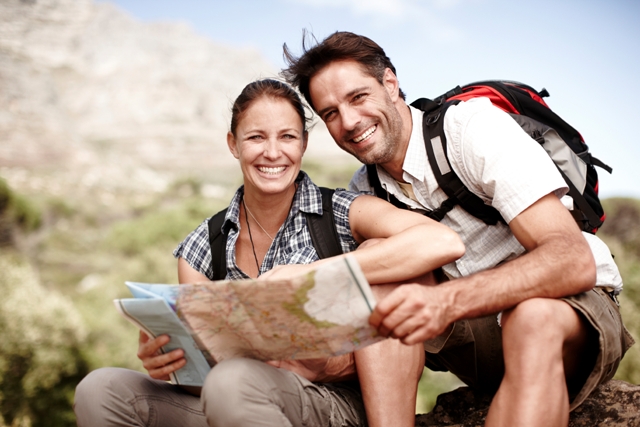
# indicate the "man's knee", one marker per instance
pixel 540 320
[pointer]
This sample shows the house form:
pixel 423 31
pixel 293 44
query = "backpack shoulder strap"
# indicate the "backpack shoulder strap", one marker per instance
pixel 381 193
pixel 322 228
pixel 218 243
pixel 436 147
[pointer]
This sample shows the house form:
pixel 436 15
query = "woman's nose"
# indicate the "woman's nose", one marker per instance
pixel 271 148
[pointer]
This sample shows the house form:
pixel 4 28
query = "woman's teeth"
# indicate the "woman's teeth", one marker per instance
pixel 272 171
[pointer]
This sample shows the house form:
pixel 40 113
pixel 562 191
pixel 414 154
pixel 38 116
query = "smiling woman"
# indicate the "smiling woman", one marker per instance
pixel 265 226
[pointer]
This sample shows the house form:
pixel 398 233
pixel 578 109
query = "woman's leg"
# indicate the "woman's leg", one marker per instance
pixel 110 397
pixel 246 392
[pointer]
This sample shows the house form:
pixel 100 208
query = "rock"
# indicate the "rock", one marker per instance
pixel 93 101
pixel 613 404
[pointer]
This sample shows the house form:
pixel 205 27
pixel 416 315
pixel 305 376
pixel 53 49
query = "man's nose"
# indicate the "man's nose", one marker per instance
pixel 350 118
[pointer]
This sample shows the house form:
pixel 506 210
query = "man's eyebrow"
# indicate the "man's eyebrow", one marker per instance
pixel 349 94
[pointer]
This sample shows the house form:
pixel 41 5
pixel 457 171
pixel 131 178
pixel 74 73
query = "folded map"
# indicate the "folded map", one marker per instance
pixel 319 314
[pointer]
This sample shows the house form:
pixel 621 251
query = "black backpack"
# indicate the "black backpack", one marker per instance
pixel 321 227
pixel 528 109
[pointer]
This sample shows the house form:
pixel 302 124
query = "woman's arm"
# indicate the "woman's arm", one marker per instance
pixel 188 274
pixel 408 244
pixel 412 244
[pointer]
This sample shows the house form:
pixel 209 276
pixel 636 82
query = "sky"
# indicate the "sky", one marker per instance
pixel 586 53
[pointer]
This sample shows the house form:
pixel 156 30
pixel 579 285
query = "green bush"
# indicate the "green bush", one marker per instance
pixel 17 209
pixel 133 237
pixel 621 232
pixel 40 357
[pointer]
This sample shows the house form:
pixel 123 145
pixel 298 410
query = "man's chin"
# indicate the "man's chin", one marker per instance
pixel 366 157
pixel 371 158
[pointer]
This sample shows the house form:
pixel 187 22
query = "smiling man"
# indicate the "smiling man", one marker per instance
pixel 559 333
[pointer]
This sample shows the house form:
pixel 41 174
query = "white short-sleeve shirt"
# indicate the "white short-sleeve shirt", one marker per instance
pixel 501 164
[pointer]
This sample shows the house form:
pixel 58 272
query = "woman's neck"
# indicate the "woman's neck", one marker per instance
pixel 270 211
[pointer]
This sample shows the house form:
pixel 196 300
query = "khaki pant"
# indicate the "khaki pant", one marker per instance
pixel 473 350
pixel 237 392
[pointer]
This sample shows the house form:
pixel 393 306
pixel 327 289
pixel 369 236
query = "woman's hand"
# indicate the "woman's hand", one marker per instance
pixel 157 364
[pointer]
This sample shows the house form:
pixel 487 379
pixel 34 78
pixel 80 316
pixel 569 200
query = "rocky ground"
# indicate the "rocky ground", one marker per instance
pixel 614 404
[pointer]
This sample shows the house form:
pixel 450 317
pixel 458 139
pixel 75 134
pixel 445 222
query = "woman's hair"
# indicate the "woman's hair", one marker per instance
pixel 269 88
pixel 339 46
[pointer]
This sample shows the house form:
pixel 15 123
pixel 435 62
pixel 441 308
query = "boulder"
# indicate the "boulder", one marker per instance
pixel 613 404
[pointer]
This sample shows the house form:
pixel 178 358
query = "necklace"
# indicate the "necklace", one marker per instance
pixel 253 248
pixel 254 218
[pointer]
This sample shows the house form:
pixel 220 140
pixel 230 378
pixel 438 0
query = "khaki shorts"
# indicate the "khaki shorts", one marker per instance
pixel 473 350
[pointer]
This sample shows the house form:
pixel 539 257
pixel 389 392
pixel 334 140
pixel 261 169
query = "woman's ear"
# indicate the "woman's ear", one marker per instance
pixel 390 82
pixel 231 143
pixel 305 139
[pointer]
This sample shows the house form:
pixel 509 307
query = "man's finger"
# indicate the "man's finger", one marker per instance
pixel 387 306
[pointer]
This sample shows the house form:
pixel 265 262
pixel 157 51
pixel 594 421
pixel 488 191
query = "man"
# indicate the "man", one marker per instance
pixel 558 333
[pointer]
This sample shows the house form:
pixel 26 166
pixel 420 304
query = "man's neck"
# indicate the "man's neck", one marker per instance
pixel 394 166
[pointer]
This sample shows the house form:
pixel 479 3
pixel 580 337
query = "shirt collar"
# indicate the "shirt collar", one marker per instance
pixel 306 199
pixel 415 159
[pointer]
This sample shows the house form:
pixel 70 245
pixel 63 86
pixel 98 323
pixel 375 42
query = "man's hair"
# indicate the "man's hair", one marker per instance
pixel 339 46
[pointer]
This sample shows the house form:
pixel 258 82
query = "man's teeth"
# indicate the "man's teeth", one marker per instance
pixel 271 170
pixel 365 135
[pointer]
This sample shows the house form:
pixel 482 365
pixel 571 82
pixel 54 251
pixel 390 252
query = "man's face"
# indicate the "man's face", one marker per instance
pixel 359 112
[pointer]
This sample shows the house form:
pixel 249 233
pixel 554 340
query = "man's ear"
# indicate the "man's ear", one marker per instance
pixel 231 143
pixel 390 82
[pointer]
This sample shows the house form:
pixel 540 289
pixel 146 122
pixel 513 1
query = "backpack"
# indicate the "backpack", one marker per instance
pixel 528 109
pixel 322 228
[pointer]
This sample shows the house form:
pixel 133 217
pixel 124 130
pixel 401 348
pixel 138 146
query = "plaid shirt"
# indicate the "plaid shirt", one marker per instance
pixel 292 244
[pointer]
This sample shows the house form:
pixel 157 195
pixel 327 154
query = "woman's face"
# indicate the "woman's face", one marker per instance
pixel 269 142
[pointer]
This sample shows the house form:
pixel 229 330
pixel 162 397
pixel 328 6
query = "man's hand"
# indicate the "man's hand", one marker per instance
pixel 339 368
pixel 159 365
pixel 412 313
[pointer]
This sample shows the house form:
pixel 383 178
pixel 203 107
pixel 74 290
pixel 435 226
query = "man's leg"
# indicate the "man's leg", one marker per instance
pixel 245 392
pixel 120 397
pixel 544 343
pixel 389 372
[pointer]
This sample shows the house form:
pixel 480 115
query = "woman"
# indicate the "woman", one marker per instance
pixel 267 228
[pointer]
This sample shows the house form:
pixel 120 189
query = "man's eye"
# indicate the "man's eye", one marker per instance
pixel 359 96
pixel 329 116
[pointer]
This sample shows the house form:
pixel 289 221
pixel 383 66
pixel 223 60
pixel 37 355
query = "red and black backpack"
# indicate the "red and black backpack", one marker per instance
pixel 527 107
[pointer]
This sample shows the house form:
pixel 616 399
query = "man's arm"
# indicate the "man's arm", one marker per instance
pixel 558 262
